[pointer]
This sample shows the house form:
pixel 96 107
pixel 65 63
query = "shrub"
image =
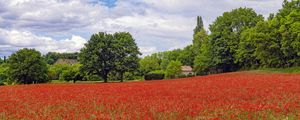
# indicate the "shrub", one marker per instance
pixel 1 82
pixel 154 76
pixel 92 78
pixel 182 76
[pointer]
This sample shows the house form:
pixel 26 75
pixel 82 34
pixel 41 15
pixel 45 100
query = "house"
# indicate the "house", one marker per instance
pixel 66 61
pixel 187 70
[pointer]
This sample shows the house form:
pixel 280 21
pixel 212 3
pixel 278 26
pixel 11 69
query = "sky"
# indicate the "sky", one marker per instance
pixel 66 25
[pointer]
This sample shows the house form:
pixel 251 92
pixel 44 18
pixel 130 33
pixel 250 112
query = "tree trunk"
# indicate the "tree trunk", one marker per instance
pixel 122 74
pixel 105 78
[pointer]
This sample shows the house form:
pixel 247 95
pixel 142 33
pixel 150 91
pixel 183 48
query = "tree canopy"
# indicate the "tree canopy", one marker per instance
pixel 27 66
pixel 109 52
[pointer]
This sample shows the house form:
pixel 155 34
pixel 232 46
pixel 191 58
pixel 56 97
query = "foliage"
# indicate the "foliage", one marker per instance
pixel 71 73
pixel 1 61
pixel 27 66
pixel 199 37
pixel 148 64
pixel 157 72
pixel 187 55
pixel 272 43
pixel 105 53
pixel 54 71
pixel 154 76
pixel 3 74
pixel 295 70
pixel 88 77
pixel 199 27
pixel 128 51
pixel 225 35
pixel 205 59
pixel 169 56
pixel 174 69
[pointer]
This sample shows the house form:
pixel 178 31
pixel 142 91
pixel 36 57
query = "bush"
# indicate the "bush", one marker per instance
pixel 67 75
pixel 190 75
pixel 1 83
pixel 92 78
pixel 154 76
pixel 182 76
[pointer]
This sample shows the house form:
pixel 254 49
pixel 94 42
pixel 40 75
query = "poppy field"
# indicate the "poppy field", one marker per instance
pixel 240 95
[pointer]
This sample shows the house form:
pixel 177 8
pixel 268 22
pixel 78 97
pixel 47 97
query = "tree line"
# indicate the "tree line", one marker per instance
pixel 239 39
pixel 103 56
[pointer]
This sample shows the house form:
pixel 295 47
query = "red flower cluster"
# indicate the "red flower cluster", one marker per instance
pixel 224 96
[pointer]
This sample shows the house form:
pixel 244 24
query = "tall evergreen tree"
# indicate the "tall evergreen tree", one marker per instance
pixel 199 28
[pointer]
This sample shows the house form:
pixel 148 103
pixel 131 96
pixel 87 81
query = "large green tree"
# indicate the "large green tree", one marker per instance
pixel 27 66
pixel 287 24
pixel 272 43
pixel 225 35
pixel 128 51
pixel 108 52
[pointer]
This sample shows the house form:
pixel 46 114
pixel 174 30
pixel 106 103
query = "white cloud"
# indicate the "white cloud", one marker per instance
pixel 13 40
pixel 148 50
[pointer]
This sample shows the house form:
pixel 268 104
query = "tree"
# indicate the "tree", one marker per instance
pixel 71 73
pixel 245 54
pixel 225 35
pixel 148 64
pixel 204 59
pixel 199 34
pixel 173 69
pixel 104 53
pixel 51 57
pixel 199 38
pixel 199 25
pixel 128 53
pixel 287 26
pixel 27 66
pixel 1 61
pixel 3 73
pixel 273 43
pixel 168 56
pixel 187 55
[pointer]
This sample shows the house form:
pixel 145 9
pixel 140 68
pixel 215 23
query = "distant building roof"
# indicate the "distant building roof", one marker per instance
pixel 186 68
pixel 66 61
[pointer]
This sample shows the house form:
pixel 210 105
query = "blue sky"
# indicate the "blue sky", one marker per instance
pixel 65 25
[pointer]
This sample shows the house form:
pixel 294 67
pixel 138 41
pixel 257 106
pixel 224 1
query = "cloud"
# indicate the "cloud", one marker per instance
pixel 148 50
pixel 157 25
pixel 13 40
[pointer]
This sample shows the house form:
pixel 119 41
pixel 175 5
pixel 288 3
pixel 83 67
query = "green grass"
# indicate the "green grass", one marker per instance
pixel 88 82
pixel 292 70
